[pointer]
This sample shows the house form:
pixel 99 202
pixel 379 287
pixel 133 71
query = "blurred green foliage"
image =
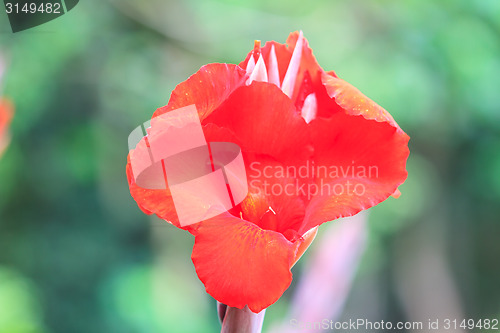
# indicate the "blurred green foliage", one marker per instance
pixel 77 255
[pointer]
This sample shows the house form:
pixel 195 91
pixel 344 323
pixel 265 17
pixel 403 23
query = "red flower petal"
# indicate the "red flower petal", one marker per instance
pixel 241 264
pixel 158 201
pixel 6 112
pixel 273 202
pixel 264 121
pixel 358 163
pixel 308 238
pixel 207 89
pixel 353 101
pixel 5 115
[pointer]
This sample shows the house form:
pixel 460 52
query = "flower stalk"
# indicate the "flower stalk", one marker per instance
pixel 236 320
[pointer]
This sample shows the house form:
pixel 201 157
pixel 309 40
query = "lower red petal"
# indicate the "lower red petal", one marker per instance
pixel 241 264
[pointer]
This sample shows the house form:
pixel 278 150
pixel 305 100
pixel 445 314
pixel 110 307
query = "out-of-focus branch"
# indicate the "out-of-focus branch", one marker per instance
pixel 327 279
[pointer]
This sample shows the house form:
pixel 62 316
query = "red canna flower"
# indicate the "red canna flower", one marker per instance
pixel 315 150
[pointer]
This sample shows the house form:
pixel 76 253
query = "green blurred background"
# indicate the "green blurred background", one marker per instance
pixel 77 255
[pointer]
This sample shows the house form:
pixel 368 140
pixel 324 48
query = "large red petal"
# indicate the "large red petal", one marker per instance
pixel 358 164
pixel 207 89
pixel 159 201
pixel 264 121
pixel 241 264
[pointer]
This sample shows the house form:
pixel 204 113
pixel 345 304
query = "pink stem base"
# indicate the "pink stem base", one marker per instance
pixel 236 320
